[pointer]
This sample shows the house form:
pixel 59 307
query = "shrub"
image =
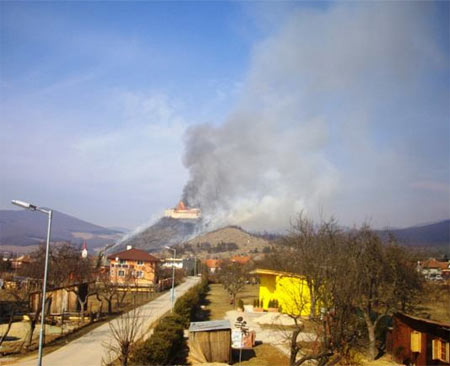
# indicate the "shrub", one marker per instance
pixel 167 337
pixel 240 304
pixel 186 306
pixel 273 303
pixel 166 340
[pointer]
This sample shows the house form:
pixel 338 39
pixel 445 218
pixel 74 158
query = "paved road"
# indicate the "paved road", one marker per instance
pixel 88 350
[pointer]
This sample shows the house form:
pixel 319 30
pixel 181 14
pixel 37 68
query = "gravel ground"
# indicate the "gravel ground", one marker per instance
pixel 269 328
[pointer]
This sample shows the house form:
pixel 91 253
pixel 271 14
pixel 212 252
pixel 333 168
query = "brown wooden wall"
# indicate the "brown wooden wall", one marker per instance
pixel 214 345
pixel 400 342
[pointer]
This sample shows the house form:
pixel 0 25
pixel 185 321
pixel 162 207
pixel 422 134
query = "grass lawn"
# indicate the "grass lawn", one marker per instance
pixel 218 299
pixel 435 301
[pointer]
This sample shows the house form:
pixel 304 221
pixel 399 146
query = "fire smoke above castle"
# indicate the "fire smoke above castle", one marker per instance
pixel 183 212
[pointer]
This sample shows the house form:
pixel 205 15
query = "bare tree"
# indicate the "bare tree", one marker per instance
pixel 347 273
pixel 83 292
pixel 385 280
pixel 316 255
pixel 233 276
pixel 12 311
pixel 107 291
pixel 125 330
pixel 23 295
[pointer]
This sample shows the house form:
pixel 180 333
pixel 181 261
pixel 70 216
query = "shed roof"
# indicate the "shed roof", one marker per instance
pixel 271 272
pixel 209 325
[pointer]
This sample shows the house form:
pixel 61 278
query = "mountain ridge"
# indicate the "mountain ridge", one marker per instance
pixel 23 228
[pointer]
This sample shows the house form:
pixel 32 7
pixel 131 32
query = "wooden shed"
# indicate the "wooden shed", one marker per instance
pixel 418 341
pixel 210 341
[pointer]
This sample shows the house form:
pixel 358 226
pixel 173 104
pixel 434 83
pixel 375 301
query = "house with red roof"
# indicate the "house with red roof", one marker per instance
pixel 433 269
pixel 133 266
pixel 241 259
pixel 213 265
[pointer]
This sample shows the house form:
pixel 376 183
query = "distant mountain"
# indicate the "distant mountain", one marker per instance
pixel 24 228
pixel 119 229
pixel 430 235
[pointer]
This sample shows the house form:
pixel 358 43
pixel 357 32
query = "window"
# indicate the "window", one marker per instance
pixel 123 261
pixel 445 352
pixel 121 273
pixel 140 263
pixel 139 274
pixel 441 350
pixel 416 341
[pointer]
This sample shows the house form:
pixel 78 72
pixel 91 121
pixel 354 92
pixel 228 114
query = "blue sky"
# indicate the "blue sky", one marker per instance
pixel 96 98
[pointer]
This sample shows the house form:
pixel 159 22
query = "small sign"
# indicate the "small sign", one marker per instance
pixel 237 339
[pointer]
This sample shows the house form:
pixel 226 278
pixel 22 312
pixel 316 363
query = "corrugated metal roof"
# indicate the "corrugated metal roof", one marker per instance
pixel 209 325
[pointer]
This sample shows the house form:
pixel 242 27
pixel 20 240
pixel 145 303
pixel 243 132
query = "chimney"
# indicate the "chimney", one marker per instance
pixel 129 247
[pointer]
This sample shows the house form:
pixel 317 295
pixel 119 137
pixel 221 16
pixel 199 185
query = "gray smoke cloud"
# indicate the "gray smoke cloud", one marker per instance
pixel 302 132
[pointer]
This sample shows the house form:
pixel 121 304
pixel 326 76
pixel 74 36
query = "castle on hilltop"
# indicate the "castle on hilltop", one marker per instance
pixel 183 212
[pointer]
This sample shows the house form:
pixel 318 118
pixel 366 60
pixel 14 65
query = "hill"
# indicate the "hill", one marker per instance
pixel 429 235
pixel 166 231
pixel 182 234
pixel 24 228
pixel 233 239
pixel 225 241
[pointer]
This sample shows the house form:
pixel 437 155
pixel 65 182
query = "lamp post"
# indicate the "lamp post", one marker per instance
pixel 172 295
pixel 32 207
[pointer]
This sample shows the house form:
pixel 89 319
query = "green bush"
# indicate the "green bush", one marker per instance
pixel 165 342
pixel 187 305
pixel 167 337
pixel 240 304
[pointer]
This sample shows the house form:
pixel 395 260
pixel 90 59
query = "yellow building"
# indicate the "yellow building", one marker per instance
pixel 289 290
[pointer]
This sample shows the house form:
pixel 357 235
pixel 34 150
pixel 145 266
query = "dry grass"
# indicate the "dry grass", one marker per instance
pixel 264 355
pixel 219 300
pixel 436 300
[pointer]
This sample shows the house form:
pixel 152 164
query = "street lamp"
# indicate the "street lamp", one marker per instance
pixel 172 295
pixel 31 207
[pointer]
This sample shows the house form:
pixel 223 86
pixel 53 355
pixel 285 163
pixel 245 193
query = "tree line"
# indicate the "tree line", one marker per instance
pixel 67 269
pixel 355 283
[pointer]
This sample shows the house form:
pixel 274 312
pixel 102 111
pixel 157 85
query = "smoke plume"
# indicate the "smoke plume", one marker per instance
pixel 301 133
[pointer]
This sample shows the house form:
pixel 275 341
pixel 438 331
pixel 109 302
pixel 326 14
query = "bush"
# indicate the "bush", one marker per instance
pixel 165 342
pixel 167 337
pixel 240 304
pixel 187 305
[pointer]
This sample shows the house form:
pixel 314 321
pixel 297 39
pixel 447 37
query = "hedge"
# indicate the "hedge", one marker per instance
pixel 167 338
pixel 186 306
pixel 165 341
